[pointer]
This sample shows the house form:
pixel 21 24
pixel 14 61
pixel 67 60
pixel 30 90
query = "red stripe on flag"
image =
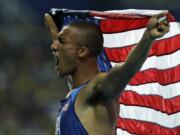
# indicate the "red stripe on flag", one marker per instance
pixel 156 102
pixel 122 25
pixel 163 77
pixel 160 47
pixel 145 128
pixel 114 15
pixel 126 23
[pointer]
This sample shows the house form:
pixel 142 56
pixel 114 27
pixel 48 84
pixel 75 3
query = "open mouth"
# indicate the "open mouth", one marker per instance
pixel 57 62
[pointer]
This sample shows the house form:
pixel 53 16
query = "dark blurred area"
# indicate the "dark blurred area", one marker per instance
pixel 30 91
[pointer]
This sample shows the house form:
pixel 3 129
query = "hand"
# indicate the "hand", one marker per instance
pixel 52 26
pixel 156 29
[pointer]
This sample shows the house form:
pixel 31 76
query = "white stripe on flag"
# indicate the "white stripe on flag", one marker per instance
pixel 122 132
pixel 116 40
pixel 137 12
pixel 150 115
pixel 160 62
pixel 168 91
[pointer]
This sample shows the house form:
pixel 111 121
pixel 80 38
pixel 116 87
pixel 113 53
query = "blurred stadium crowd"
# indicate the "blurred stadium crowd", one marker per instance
pixel 30 91
pixel 29 88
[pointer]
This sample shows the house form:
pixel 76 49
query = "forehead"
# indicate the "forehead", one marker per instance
pixel 67 31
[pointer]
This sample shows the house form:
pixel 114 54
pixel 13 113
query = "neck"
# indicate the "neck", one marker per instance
pixel 84 73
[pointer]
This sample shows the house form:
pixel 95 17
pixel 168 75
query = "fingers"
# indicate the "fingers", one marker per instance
pixel 161 14
pixel 52 26
pixel 163 28
pixel 158 19
pixel 163 25
pixel 158 26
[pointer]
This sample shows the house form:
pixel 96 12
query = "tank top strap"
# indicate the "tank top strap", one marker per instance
pixel 77 90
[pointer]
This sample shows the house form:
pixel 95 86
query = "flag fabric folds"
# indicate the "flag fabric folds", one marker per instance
pixel 150 104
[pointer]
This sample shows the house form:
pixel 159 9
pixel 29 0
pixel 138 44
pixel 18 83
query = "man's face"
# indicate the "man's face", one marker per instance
pixel 65 52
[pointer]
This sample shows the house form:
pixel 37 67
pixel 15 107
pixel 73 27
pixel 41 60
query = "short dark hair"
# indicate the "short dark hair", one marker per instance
pixel 90 36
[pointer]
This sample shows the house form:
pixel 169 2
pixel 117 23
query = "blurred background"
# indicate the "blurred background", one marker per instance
pixel 30 91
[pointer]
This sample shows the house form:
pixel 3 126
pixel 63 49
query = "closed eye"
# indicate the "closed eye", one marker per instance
pixel 61 40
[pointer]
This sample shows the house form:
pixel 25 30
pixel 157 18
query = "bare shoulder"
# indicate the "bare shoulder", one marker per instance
pixel 89 92
pixel 94 114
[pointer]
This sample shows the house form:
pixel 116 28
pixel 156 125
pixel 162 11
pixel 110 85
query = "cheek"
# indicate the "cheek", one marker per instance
pixel 71 61
pixel 69 58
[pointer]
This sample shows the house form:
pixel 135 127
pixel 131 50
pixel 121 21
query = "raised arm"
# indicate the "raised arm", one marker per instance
pixel 114 82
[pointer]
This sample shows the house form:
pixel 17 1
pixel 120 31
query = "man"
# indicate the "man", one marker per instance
pixel 92 107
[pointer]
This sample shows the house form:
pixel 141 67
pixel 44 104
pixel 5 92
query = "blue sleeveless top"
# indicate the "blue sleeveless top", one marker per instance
pixel 67 122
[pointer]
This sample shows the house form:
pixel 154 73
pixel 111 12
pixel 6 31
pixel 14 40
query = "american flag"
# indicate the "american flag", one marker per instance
pixel 150 104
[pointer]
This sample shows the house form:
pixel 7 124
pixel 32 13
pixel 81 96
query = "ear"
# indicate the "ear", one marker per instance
pixel 83 52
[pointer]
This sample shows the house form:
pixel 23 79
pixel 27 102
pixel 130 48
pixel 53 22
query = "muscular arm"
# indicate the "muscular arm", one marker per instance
pixel 114 82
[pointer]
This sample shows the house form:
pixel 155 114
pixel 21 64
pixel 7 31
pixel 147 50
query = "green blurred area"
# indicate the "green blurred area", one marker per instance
pixel 29 91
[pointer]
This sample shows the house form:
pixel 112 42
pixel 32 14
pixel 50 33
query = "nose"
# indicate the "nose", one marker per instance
pixel 54 47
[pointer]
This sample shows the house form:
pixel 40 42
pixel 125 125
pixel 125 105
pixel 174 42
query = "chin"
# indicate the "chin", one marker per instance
pixel 62 74
pixel 65 73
